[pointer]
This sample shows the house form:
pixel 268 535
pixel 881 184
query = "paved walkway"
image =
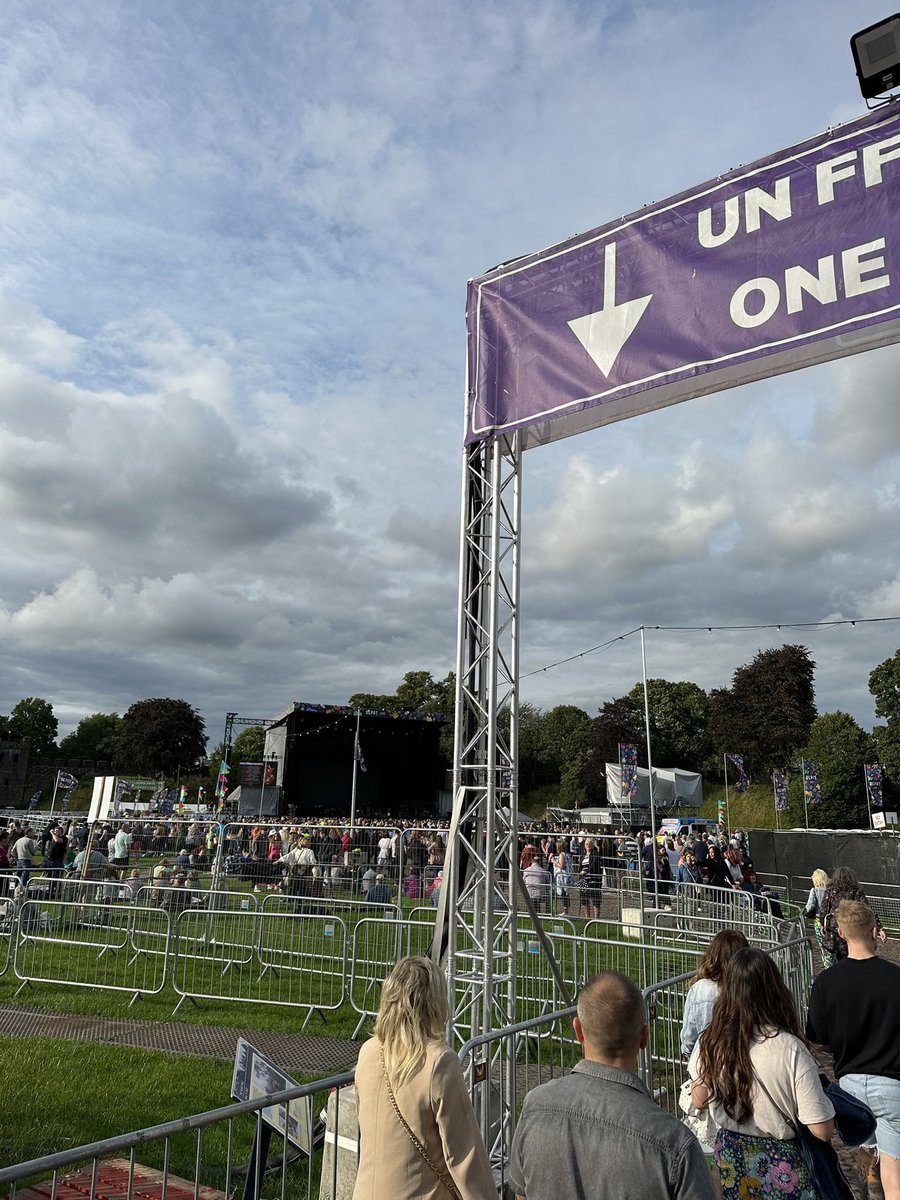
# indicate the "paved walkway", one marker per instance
pixel 297 1053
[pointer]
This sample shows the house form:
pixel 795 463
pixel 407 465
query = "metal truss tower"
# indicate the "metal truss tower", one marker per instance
pixel 481 898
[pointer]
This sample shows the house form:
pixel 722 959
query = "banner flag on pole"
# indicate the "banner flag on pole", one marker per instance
pixel 628 768
pixel 222 781
pixel 358 755
pixel 873 783
pixel 66 781
pixel 779 783
pixel 737 761
pixel 33 802
pixel 811 789
pixel 66 801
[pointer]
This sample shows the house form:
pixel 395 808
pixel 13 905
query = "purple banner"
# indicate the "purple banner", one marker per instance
pixel 873 784
pixel 779 783
pixel 774 266
pixel 812 792
pixel 737 761
pixel 628 768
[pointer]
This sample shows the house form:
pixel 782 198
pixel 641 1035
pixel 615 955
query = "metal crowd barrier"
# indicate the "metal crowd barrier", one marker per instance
pixel 505 1064
pixel 883 899
pixel 79 943
pixel 297 960
pixel 661 1065
pixel 377 943
pixel 217 931
pixel 501 1065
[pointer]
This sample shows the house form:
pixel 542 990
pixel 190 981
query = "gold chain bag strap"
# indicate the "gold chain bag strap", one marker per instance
pixel 412 1137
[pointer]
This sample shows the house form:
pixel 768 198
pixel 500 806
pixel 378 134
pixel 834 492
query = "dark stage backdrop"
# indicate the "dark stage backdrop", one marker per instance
pixel 404 769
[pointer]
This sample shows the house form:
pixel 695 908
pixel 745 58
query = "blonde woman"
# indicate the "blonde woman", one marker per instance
pixel 820 882
pixel 417 1130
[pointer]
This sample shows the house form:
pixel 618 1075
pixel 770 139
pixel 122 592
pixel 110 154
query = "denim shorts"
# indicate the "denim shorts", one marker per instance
pixel 883 1097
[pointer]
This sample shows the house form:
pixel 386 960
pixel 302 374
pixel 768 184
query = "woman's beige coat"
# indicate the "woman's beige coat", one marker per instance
pixel 436 1105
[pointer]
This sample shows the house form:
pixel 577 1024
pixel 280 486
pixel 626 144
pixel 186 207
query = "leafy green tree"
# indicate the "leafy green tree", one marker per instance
pixel 33 718
pixel 4 726
pixel 248 746
pixel 419 691
pixel 533 768
pixel 416 692
pixel 373 701
pixel 160 735
pixel 565 737
pixel 768 711
pixel 679 712
pixel 839 747
pixel 620 720
pixel 94 739
pixel 884 684
pixel 572 791
pixel 886 739
pixel 445 693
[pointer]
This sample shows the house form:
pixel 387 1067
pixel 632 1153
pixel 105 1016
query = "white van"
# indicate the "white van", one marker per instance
pixel 675 827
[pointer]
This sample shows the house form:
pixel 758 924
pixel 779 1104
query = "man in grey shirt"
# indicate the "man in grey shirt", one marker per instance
pixel 597 1134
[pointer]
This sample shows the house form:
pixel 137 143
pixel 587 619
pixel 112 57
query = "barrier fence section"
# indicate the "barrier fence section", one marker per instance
pixel 883 899
pixel 311 953
pixel 301 963
pixel 503 1065
pixel 212 1150
pixel 662 1066
pixel 83 943
pixel 377 943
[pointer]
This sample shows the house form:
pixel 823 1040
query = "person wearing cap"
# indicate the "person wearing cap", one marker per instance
pixel 380 892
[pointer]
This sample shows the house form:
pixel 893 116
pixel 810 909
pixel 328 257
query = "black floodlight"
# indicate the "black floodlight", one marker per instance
pixel 876 53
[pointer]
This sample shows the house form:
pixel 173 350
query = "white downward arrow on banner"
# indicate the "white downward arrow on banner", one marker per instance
pixel 605 332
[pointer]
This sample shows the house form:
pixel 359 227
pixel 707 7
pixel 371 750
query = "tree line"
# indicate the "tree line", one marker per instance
pixel 768 714
pixel 154 736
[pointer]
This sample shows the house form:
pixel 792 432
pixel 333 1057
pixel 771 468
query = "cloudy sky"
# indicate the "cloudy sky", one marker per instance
pixel 236 239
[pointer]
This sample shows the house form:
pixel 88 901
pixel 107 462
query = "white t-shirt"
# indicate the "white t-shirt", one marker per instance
pixel 791 1077
pixel 122 843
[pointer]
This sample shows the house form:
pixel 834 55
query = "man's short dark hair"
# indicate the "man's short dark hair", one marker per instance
pixel 612 1013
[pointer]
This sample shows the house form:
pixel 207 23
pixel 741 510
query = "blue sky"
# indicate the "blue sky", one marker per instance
pixel 235 242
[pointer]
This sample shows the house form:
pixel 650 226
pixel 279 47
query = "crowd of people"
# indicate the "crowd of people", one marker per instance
pixel 597 1132
pixel 571 863
pixel 753 1066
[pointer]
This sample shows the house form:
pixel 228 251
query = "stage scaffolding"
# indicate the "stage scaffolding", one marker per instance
pixel 481 900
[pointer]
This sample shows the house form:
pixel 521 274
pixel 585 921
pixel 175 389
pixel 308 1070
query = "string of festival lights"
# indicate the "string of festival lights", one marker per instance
pixel 776 625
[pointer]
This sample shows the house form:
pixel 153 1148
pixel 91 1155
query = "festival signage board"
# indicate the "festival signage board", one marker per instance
pixel 787 262
pixel 256 1076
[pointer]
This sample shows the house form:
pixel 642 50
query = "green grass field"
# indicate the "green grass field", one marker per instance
pixel 77 1093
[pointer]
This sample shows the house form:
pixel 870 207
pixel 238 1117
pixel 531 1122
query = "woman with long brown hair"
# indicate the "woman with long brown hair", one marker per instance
pixel 418 1137
pixel 753 1068
pixel 704 991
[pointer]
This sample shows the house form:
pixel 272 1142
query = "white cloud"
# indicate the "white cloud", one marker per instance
pixel 235 243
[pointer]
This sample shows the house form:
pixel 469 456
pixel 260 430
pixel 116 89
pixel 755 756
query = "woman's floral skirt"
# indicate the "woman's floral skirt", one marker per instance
pixel 762 1168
